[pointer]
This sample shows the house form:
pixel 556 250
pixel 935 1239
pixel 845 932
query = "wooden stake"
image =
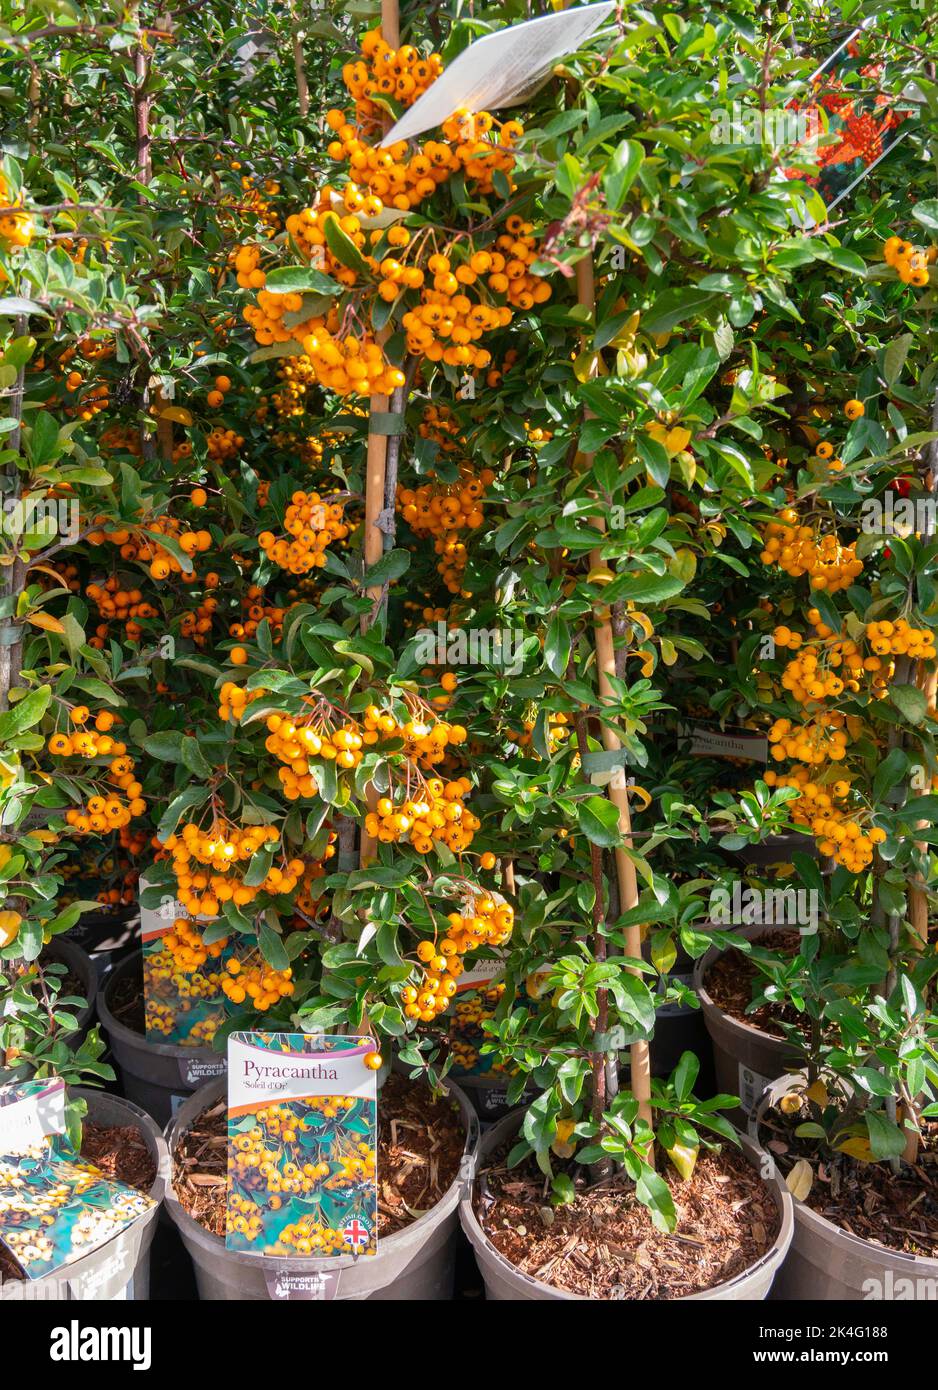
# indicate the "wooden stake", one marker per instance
pixel 376 463
pixel 299 67
pixel 617 788
pixel 928 681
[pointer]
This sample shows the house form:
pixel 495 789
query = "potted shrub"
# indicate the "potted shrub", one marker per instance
pixel 852 1128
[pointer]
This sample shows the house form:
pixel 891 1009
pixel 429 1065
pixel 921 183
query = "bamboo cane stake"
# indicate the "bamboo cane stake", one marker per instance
pixel 299 67
pixel 376 464
pixel 617 788
pixel 928 681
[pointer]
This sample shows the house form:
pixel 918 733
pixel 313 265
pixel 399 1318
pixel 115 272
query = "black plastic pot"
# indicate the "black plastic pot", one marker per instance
pixel 94 928
pixel 777 849
pixel 79 964
pixel 828 1264
pixel 505 1283
pixel 120 1268
pixel 416 1264
pixel 489 1095
pixel 157 1076
pixel 746 1058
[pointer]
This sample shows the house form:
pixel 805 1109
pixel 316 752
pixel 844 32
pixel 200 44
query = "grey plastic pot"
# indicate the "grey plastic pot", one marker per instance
pixel 505 1283
pixel 119 1269
pixel 826 1263
pixel 417 1264
pixel 745 1058
pixel 158 1076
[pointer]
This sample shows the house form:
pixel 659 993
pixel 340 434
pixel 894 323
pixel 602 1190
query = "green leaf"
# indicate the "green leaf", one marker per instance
pixel 342 247
pixel 25 713
pixel 300 279
pixel 562 1190
pixel 621 171
pixel 166 746
pixel 889 773
pixel 910 702
pixel 557 646
pixel 272 947
pixel 655 1194
pixel 599 821
pixel 685 1074
pixel 391 566
pixel 185 801
pixel 676 306
pixel 15 305
pixel 194 759
pixel 886 1139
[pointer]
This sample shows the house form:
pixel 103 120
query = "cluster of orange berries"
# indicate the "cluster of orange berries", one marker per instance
pixel 222 849
pixel 387 72
pixel 216 397
pixel 88 743
pixel 813 675
pixel 223 444
pixel 485 922
pixel 185 944
pixel 800 550
pixel 351 365
pixel 255 612
pixel 910 261
pixel 440 424
pixel 314 524
pixel 900 639
pixel 446 325
pixel 233 700
pixel 95 399
pixel 442 510
pixel 259 982
pixel 559 730
pixel 820 808
pixel 437 812
pixel 246 261
pixel 124 605
pixel 102 813
pixel 137 544
pixel 16 228
pixel 295 743
pixel 196 624
pixel 814 742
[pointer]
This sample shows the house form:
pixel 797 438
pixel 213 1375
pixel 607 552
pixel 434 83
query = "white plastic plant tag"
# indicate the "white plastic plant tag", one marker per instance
pixel 500 69
pixel 751 1086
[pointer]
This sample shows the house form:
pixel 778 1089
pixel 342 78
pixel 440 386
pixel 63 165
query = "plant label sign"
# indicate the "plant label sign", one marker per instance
pixel 181 1006
pixel 302 1145
pixel 500 69
pixel 712 741
pixel 54 1206
pixel 849 125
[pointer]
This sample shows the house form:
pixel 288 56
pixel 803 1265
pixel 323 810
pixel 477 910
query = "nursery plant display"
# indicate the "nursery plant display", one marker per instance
pixel 475 593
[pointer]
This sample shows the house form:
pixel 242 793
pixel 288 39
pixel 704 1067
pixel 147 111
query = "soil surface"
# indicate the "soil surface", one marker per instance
pixel 120 1152
pixel 733 980
pixel 420 1145
pixel 603 1245
pixel 896 1211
